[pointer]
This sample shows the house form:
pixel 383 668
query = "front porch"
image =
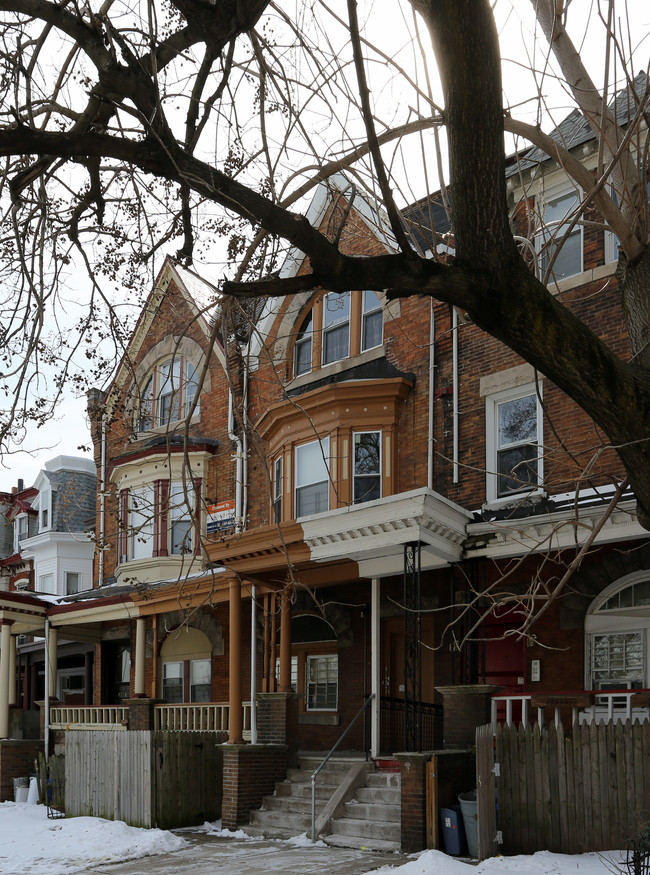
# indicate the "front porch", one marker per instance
pixel 571 707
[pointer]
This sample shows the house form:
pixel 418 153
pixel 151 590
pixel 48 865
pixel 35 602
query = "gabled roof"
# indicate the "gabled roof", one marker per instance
pixel 575 130
pixel 202 298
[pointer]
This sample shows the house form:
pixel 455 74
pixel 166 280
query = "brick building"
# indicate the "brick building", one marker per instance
pixel 362 501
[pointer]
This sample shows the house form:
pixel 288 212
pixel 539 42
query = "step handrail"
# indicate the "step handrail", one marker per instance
pixel 315 773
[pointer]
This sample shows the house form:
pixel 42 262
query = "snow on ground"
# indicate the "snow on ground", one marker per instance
pixel 30 844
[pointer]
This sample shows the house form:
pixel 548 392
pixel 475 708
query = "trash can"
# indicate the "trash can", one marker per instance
pixel 21 789
pixel 453 831
pixel 469 807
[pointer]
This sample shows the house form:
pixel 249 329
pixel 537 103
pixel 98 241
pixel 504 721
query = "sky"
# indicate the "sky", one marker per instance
pixel 68 432
pixel 30 844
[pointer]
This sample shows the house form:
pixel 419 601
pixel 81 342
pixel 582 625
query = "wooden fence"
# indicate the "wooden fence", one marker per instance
pixel 163 779
pixel 587 790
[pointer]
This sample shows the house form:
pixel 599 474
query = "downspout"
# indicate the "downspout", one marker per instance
pixel 454 333
pixel 253 663
pixel 102 502
pixel 46 728
pixel 432 364
pixel 244 449
pixel 234 437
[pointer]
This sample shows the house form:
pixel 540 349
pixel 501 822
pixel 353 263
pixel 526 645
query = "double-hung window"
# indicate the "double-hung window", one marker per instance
pixel 277 490
pixel 21 531
pixel 312 480
pixel 336 326
pixel 141 522
pixel 557 250
pixel 617 660
pixel 367 466
pixel 303 348
pixel 187 680
pixel 168 393
pixel 514 441
pixel 372 321
pixel 322 679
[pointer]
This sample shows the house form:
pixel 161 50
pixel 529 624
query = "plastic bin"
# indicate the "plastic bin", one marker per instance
pixel 469 807
pixel 453 831
pixel 21 789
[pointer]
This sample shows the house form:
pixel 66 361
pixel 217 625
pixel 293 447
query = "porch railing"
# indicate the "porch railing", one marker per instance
pixel 392 724
pixel 96 717
pixel 205 717
pixel 586 706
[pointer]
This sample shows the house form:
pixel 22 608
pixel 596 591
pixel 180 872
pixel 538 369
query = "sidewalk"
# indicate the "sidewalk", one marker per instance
pixel 210 855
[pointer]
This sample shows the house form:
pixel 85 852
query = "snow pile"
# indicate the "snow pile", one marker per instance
pixel 30 844
pixel 541 863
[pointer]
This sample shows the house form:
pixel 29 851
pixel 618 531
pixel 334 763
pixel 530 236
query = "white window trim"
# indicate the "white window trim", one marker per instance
pixel 491 424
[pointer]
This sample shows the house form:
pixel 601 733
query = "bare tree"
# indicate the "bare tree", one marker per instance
pixel 123 125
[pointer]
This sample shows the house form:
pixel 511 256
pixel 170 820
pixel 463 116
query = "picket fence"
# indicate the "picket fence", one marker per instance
pixel 148 779
pixel 540 788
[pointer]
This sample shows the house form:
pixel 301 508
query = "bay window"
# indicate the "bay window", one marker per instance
pixel 160 519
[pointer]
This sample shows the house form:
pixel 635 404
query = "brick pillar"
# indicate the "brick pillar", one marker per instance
pixel 141 712
pixel 414 800
pixel 277 721
pixel 464 708
pixel 250 772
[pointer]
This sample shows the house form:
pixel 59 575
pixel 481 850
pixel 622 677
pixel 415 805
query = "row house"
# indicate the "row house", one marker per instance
pixel 342 520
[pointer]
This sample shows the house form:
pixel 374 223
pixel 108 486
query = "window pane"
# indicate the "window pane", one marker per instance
pixel 145 421
pixel 312 478
pixel 141 522
pixel 569 258
pixel 336 308
pixel 277 490
pixel 517 469
pixel 72 582
pixel 336 344
pixel 181 503
pixel 517 421
pixel 190 388
pixel 618 658
pixel 312 499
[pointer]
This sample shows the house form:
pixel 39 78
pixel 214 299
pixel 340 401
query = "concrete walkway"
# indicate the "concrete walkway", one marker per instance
pixel 210 855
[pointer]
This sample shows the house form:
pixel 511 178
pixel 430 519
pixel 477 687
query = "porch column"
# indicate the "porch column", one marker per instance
pixel 235 717
pixel 285 643
pixel 12 670
pixel 140 628
pixel 54 640
pixel 375 667
pixel 5 644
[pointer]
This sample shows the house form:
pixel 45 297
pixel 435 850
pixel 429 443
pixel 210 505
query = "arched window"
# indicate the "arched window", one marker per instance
pixel 616 627
pixel 186 658
pixel 339 325
pixel 168 393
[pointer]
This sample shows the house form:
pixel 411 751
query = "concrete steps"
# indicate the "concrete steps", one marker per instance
pixel 369 819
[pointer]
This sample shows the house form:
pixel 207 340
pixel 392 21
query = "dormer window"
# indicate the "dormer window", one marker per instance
pixel 168 393
pixel 338 326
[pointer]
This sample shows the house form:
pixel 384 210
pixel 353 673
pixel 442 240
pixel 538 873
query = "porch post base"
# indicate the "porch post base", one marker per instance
pixel 277 721
pixel 250 772
pixel 141 712
pixel 414 800
pixel 465 706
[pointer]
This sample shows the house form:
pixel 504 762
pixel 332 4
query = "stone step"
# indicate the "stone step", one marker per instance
pixel 373 812
pixel 294 804
pixel 383 779
pixel 288 789
pixel 282 820
pixel 325 778
pixel 384 795
pixel 361 842
pixel 367 829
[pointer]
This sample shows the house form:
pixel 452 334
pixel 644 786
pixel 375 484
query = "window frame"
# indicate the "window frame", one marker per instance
pixel 314 329
pixel 134 538
pixel 186 684
pixel 324 444
pixel 550 232
pixel 186 516
pixel 19 533
pixel 278 482
pixel 492 403
pixel 79 576
pixel 375 475
pixel 309 683
pixel 168 371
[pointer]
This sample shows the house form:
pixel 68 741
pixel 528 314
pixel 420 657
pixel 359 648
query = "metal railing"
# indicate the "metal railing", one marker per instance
pixel 393 736
pixel 587 706
pixel 315 773
pixel 95 717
